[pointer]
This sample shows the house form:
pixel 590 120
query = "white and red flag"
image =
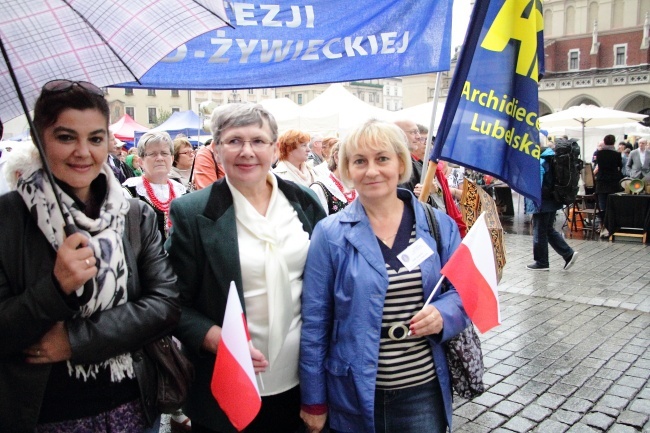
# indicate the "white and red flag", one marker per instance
pixel 472 271
pixel 233 379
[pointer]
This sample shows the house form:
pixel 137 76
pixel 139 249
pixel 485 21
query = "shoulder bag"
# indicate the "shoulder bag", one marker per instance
pixel 464 354
pixel 174 372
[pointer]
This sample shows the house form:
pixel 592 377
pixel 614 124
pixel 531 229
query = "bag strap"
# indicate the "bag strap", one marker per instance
pixel 434 228
pixel 133 218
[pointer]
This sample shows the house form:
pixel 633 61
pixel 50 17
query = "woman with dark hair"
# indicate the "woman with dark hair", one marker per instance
pixel 252 228
pixel 608 177
pixel 76 309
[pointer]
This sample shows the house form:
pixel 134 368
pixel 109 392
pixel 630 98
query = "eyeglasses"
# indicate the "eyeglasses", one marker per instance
pixel 238 143
pixel 164 154
pixel 60 86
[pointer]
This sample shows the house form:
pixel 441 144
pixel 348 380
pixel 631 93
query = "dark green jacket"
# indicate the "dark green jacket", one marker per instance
pixel 204 252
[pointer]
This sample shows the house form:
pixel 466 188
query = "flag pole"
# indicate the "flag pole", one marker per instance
pixel 429 170
pixel 433 292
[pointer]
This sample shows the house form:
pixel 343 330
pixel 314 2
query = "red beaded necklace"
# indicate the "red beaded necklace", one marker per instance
pixel 161 206
pixel 350 195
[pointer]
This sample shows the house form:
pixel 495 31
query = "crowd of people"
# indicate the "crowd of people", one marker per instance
pixel 309 228
pixel 312 231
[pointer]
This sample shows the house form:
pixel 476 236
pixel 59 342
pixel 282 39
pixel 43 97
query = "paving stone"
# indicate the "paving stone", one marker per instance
pixel 503 389
pixel 470 410
pixel 487 399
pixel 613 401
pixel 519 424
pixel 631 381
pixel 613 412
pixel 622 391
pixel 551 401
pixel 641 406
pixel 619 428
pixel 589 393
pixel 536 412
pixel 562 389
pixel 566 416
pixel 508 408
pixel 522 397
pixel 516 379
pixel 491 420
pixel 579 405
pixel 634 419
pixel 551 426
pixel 598 420
pixel 581 428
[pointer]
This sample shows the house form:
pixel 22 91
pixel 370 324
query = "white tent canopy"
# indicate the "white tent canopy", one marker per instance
pixel 336 111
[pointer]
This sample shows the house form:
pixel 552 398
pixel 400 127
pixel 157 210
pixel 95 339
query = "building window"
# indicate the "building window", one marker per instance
pixel 151 92
pixel 265 92
pixel 175 109
pixel 299 98
pixel 130 111
pixel 287 95
pixel 574 60
pixel 620 55
pixel 251 92
pixel 175 93
pixel 128 92
pixel 152 115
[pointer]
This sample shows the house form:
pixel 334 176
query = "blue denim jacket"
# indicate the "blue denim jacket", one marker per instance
pixel 344 289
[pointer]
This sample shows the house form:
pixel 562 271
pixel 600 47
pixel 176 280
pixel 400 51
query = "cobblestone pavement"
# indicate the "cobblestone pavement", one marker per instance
pixel 573 351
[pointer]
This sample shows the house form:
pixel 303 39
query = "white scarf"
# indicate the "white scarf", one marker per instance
pixel 109 287
pixel 276 272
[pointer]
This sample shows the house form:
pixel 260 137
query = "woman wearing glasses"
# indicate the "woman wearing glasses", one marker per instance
pixel 154 186
pixel 76 309
pixel 294 152
pixel 252 228
pixel 183 161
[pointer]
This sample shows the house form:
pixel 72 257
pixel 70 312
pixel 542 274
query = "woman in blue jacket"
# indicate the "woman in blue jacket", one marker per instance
pixel 371 353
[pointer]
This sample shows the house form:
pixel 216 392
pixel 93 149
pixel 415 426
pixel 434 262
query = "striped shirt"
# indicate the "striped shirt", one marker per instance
pixel 407 362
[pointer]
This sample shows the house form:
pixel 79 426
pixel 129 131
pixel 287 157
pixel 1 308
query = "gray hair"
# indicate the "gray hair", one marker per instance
pixel 154 137
pixel 237 115
pixel 378 135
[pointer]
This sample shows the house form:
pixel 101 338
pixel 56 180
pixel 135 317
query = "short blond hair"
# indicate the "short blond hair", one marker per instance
pixel 377 135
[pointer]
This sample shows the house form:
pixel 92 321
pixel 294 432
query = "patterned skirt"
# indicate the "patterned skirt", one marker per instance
pixel 127 418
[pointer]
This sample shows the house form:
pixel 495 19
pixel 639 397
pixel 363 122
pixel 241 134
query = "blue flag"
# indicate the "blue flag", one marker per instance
pixel 490 122
pixel 300 42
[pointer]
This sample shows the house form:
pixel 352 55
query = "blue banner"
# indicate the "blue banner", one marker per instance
pixel 310 42
pixel 490 122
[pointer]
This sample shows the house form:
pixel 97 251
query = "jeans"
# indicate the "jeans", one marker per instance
pixel 543 235
pixel 417 409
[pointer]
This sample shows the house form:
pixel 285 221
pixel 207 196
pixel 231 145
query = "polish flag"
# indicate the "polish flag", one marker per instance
pixel 233 379
pixel 472 270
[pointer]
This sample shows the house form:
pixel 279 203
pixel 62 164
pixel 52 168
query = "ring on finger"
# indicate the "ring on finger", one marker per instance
pixel 38 352
pixel 87 262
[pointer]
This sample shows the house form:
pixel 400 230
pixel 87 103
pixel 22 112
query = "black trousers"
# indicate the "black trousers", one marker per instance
pixel 280 413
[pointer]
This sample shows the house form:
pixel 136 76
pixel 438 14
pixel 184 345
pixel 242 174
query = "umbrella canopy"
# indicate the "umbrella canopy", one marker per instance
pixel 587 116
pixel 124 129
pixel 181 122
pixel 105 42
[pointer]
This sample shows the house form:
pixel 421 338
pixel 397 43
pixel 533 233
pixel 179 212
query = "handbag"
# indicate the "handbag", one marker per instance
pixel 174 372
pixel 464 354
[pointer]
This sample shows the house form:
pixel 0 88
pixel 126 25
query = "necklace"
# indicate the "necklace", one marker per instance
pixel 385 240
pixel 349 196
pixel 161 206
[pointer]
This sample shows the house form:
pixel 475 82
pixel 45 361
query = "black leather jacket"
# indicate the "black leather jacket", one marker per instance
pixel 30 303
